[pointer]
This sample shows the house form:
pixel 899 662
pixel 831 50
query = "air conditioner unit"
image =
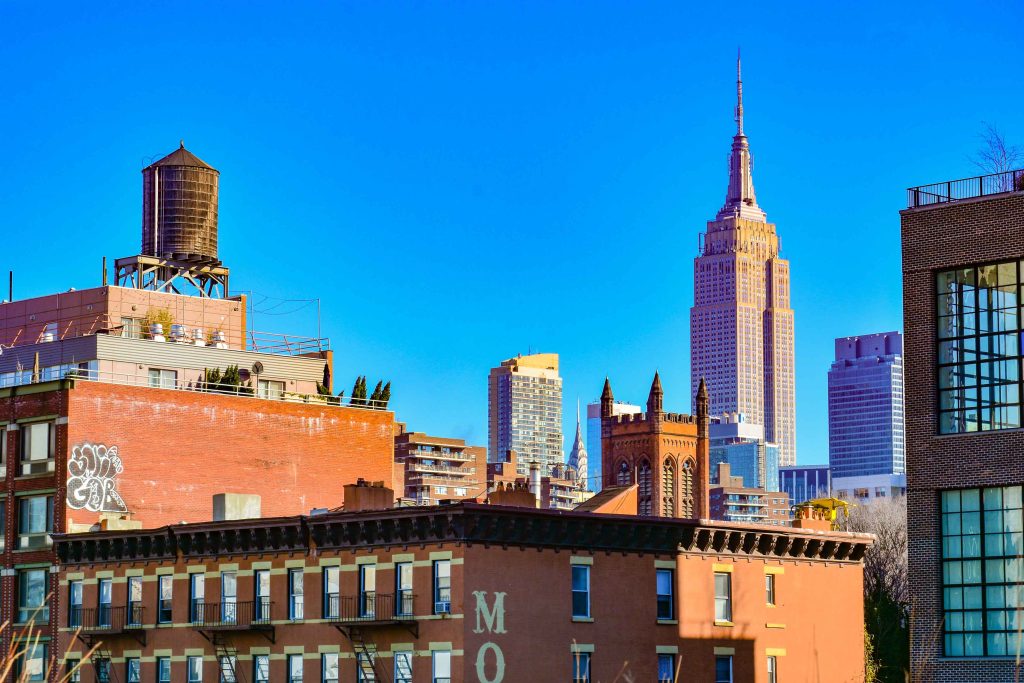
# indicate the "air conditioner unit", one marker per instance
pixel 442 608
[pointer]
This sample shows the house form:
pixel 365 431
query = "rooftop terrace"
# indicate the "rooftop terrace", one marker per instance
pixel 965 188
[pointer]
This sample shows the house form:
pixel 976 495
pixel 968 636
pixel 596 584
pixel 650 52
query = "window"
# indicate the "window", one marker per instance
pixel 982 568
pixel 228 597
pixel 723 597
pixel 666 668
pixel 442 666
pixel 664 579
pixel 267 388
pixel 195 669
pixel 403 588
pixel 295 599
pixel 261 584
pixel 773 672
pixel 74 604
pixel 581 667
pixel 329 665
pixel 3 448
pixel 163 379
pixel 196 597
pixel 261 668
pixel 164 587
pixel 364 668
pixel 73 673
pixel 367 590
pixel 3 510
pixel 723 669
pixel 403 667
pixel 102 668
pixel 104 597
pixel 978 323
pixel 133 670
pixel 31 662
pixel 32 590
pixel 332 592
pixel 49 332
pixel 442 586
pixel 134 600
pixel 131 328
pixel 294 668
pixel 228 666
pixel 580 590
pixel 163 669
pixel 37 448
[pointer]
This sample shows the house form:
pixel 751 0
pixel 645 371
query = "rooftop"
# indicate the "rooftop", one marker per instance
pixel 465 522
pixel 952 191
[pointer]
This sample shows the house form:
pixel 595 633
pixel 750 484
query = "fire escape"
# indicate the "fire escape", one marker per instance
pixel 218 621
pixel 98 626
pixel 360 617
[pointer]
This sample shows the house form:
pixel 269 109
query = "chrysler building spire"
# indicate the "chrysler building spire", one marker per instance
pixel 739 199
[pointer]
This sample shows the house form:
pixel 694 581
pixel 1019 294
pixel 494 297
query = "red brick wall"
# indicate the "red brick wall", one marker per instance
pixel 180 448
pixel 966 233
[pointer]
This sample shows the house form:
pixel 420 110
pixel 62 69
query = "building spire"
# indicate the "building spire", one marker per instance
pixel 739 95
pixel 578 455
pixel 739 199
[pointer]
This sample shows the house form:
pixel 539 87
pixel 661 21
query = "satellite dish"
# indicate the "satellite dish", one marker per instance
pixel 257 368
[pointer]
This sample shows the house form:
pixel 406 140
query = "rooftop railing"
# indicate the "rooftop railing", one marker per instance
pixel 25 377
pixel 965 188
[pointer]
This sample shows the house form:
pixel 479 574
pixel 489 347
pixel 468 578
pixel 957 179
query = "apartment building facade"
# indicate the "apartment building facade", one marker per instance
pixel 524 411
pixel 446 594
pixel 731 501
pixel 963 245
pixel 438 468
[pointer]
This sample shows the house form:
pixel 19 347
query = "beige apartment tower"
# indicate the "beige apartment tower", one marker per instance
pixel 741 323
pixel 524 396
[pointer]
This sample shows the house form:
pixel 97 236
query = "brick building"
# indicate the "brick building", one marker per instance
pixel 557 487
pixel 731 501
pixel 465 592
pixel 664 454
pixel 437 468
pixel 963 242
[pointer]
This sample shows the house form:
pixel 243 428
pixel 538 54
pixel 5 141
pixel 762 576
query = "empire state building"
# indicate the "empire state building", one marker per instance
pixel 741 323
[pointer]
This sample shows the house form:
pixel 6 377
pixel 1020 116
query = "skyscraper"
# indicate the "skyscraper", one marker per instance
pixel 741 325
pixel 865 406
pixel 596 481
pixel 578 455
pixel 524 397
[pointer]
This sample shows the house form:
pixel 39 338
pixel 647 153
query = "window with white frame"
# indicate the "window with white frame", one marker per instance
pixel 163 379
pixel 769 589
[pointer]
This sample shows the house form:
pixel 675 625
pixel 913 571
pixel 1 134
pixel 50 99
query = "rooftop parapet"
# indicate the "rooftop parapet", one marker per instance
pixel 951 191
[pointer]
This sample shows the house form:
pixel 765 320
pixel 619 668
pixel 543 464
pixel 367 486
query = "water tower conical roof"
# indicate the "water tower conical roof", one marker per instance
pixel 181 157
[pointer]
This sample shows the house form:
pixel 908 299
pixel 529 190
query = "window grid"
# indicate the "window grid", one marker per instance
pixel 978 330
pixel 982 570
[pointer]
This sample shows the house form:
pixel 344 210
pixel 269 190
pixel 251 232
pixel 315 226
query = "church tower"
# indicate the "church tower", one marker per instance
pixel 664 454
pixel 741 323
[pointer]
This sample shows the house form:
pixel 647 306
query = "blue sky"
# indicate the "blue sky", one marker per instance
pixel 459 182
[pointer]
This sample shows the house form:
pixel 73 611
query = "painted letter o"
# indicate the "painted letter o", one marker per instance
pixel 499 663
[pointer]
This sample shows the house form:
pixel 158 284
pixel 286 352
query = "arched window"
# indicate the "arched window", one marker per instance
pixel 668 488
pixel 686 490
pixel 623 477
pixel 645 506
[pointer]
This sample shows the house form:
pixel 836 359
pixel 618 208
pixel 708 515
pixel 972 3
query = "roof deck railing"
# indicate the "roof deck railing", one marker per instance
pixel 965 188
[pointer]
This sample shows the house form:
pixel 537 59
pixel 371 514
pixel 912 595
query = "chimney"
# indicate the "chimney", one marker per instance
pixel 535 485
pixel 227 506
pixel 364 495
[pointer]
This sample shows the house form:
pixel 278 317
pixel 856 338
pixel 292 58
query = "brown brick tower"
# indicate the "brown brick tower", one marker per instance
pixel 664 454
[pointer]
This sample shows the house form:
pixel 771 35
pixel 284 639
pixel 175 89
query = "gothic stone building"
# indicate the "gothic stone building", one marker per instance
pixel 664 454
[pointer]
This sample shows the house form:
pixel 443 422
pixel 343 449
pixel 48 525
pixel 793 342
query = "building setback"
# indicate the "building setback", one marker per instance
pixel 963 242
pixel 865 406
pixel 448 594
pixel 741 323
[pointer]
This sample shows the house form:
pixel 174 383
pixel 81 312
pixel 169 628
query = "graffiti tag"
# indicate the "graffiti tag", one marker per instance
pixel 92 469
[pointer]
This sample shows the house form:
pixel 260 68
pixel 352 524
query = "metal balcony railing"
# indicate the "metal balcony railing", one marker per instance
pixel 254 614
pixel 965 188
pixel 107 618
pixel 370 607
